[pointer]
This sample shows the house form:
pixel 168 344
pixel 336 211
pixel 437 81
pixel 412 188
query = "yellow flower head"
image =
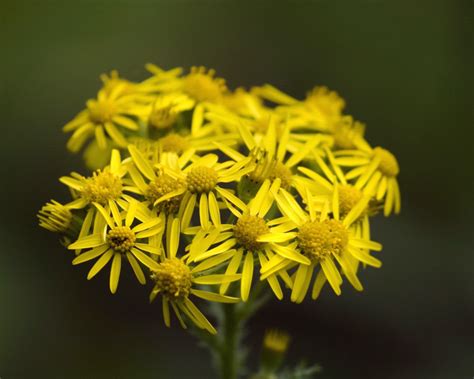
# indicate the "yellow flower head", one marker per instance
pixel 130 233
pixel 202 85
pixel 162 191
pixel 107 118
pixel 55 217
pixel 176 280
pixel 348 134
pixel 174 143
pixel 113 80
pixel 166 108
pixel 104 186
pixel 323 240
pixel 325 101
pixel 242 102
pixel 259 183
pixel 276 340
pixel 374 171
pixel 251 238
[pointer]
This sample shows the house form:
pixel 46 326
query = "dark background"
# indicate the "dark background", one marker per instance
pixel 404 68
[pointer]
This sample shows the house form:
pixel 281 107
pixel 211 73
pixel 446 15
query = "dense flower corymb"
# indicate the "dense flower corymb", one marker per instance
pixel 210 193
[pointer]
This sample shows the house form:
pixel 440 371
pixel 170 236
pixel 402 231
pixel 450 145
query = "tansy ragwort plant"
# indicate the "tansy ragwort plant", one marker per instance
pixel 214 195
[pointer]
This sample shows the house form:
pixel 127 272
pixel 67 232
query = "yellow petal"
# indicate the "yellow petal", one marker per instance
pixel 247 274
pixel 166 311
pixel 105 215
pixel 136 268
pixel 231 269
pixel 299 282
pixel 188 212
pixel 365 244
pixel 364 257
pixel 203 321
pixel 99 264
pixel 306 283
pixel 174 238
pixel 115 272
pixel 87 242
pixel 145 259
pixel 289 253
pixel 246 136
pixel 212 262
pixel 125 122
pixel 100 137
pixel 141 162
pixel 203 211
pixel 216 279
pixel 214 209
pixel 332 275
pixel 91 254
pixel 114 133
pixel 318 285
pixel 211 296
pixel 227 245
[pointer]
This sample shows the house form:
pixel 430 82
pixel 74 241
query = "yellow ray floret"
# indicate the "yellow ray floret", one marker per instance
pixel 176 281
pixel 128 234
pixel 250 241
pixel 325 241
pixel 375 172
pixel 106 118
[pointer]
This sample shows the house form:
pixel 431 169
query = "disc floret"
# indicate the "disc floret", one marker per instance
pixel 163 185
pixel 349 196
pixel 121 239
pixel 319 240
pixel 202 85
pixel 173 279
pixel 174 143
pixel 280 171
pixel 201 179
pixel 388 163
pixel 247 230
pixel 269 168
pixel 327 101
pixel 101 111
pixel 102 186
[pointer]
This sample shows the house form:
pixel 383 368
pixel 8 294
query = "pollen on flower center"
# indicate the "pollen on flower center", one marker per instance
pixel 247 229
pixel 346 133
pixel 173 279
pixel 318 240
pixel 161 186
pixel 268 168
pixel 201 179
pixel 102 186
pixel 325 100
pixel 280 171
pixel 349 196
pixel 174 143
pixel 388 163
pixel 202 85
pixel 163 117
pixel 101 111
pixel 121 239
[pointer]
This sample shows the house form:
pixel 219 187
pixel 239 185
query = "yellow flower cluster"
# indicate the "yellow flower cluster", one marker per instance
pixel 205 190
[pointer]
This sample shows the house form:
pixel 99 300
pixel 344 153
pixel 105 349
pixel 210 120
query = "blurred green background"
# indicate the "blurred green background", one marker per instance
pixel 405 68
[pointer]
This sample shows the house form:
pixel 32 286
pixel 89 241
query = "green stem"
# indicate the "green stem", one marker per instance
pixel 230 343
pixel 226 345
